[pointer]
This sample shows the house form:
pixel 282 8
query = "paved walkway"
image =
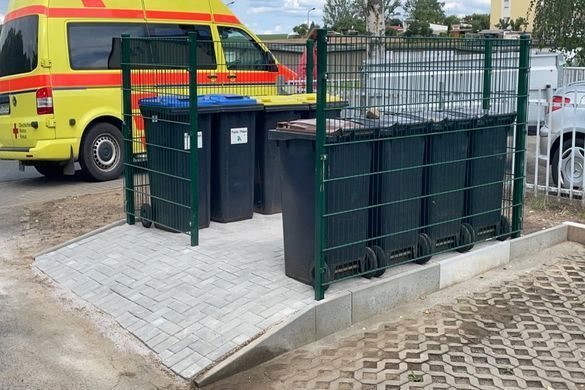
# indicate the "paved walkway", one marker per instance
pixel 190 305
pixel 527 333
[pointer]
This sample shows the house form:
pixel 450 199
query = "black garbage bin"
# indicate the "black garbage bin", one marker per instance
pixel 267 182
pixel 232 157
pixel 487 171
pixel 398 188
pixel 334 105
pixel 167 127
pixel 297 152
pixel 446 180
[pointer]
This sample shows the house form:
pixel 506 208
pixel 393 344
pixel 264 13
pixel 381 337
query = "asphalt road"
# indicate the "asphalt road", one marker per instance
pixel 9 172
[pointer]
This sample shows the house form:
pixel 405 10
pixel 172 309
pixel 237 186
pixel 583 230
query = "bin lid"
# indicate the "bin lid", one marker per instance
pixel 307 128
pixel 174 101
pixel 282 103
pixel 311 98
pixel 233 103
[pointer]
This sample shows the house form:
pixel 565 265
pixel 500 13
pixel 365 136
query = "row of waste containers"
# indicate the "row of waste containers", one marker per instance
pixel 239 170
pixel 397 189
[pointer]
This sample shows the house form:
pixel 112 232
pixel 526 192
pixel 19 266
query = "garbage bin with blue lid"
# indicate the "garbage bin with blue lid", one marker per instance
pixel 268 171
pixel 297 142
pixel 167 129
pixel 487 173
pixel 232 157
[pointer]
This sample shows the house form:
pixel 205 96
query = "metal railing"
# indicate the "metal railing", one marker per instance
pixel 556 154
pixel 426 156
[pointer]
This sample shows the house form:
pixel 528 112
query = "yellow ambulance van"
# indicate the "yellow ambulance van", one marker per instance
pixel 60 95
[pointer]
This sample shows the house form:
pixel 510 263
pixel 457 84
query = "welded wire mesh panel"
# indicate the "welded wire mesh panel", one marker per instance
pixel 166 158
pixel 424 152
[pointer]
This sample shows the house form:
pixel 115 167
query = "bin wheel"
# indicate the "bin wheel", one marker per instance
pixel 326 277
pixel 504 229
pixel 368 263
pixel 466 238
pixel 382 261
pixel 146 215
pixel 424 249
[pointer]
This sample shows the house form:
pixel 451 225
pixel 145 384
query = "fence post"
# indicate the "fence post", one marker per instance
pixel 487 74
pixel 194 137
pixel 320 160
pixel 521 133
pixel 127 131
pixel 310 65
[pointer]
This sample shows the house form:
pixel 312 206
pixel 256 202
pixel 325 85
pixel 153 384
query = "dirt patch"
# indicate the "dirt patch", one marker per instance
pixel 542 213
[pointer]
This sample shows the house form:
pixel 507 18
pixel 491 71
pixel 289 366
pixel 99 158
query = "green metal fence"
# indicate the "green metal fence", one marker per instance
pixel 427 155
pixel 160 143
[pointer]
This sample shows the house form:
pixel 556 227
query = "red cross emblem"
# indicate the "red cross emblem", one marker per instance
pixel 15 131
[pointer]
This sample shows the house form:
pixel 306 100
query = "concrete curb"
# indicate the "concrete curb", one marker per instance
pixel 351 306
pixel 80 238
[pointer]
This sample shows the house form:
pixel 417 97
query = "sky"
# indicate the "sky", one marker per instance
pixel 280 16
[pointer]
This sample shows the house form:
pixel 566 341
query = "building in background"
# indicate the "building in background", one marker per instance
pixel 511 9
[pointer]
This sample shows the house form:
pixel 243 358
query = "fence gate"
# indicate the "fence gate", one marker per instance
pixel 418 153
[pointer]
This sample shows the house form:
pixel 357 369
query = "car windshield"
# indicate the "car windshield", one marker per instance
pixel 19 46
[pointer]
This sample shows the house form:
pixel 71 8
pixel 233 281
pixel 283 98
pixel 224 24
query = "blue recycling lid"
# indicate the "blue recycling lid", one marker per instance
pixel 229 100
pixel 174 101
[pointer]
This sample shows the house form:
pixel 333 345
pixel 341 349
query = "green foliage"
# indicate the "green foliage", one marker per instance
pixel 519 24
pixel 418 28
pixel 343 15
pixel 478 22
pixel 303 30
pixel 430 11
pixel 451 20
pixel 503 24
pixel 561 25
pixel 339 15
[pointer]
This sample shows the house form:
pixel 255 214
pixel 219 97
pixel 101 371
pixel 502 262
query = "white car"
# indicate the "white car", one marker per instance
pixel 565 130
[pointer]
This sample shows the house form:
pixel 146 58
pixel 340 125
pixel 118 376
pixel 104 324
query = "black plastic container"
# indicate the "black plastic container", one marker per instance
pixel 232 158
pixel 167 129
pixel 401 154
pixel 487 170
pixel 446 180
pixel 268 172
pixel 297 152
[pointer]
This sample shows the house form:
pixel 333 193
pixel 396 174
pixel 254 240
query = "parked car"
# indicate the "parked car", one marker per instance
pixel 565 128
pixel 60 95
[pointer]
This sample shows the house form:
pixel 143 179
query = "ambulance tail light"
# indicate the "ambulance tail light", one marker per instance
pixel 45 101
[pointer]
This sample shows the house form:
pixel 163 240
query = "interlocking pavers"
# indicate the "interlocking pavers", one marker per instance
pixel 522 334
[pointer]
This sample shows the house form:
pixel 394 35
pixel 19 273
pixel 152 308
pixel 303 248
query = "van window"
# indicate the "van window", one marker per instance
pixel 205 46
pixel 19 46
pixel 242 52
pixel 90 44
pixel 96 46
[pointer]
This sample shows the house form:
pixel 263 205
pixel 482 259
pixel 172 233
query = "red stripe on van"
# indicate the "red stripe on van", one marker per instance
pixel 24 83
pixel 93 3
pixel 178 15
pixel 25 11
pixel 97 11
pixel 220 18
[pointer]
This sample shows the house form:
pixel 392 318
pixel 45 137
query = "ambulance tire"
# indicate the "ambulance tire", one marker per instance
pixel 51 170
pixel 102 153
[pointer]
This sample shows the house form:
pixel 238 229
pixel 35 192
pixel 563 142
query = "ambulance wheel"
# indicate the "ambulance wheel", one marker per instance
pixel 52 170
pixel 102 157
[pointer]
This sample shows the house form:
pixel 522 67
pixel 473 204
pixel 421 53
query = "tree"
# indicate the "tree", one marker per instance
pixel 302 29
pixel 418 28
pixel 452 20
pixel 390 7
pixel 503 24
pixel 478 22
pixel 430 11
pixel 560 24
pixel 519 24
pixel 340 15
